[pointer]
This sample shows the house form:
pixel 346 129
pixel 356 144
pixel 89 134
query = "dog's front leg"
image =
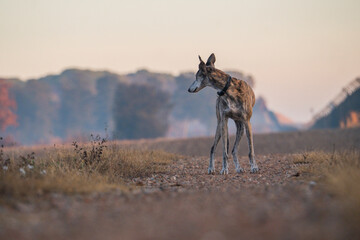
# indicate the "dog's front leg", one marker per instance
pixel 211 168
pixel 225 139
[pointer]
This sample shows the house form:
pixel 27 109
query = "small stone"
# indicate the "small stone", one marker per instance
pixel 22 171
pixel 312 184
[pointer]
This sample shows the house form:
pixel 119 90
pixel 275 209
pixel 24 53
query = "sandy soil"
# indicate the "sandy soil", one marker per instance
pixel 186 203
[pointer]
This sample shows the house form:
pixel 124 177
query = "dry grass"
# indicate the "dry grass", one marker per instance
pixel 29 172
pixel 340 174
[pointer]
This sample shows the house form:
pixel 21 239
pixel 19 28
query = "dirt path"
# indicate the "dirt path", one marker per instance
pixel 186 203
pixel 191 174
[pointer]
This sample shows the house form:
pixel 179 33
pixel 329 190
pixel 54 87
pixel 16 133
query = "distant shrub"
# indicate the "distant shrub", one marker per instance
pixel 140 111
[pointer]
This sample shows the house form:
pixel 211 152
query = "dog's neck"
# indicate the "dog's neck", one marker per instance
pixel 218 79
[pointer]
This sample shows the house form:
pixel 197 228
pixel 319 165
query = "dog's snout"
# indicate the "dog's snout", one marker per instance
pixel 192 90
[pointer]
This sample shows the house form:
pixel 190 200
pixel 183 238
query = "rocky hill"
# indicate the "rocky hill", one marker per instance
pixel 343 111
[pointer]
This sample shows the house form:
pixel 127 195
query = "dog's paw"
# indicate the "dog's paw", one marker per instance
pixel 240 170
pixel 224 171
pixel 254 169
pixel 211 170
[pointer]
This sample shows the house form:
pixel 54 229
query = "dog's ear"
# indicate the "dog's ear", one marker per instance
pixel 211 60
pixel 202 67
pixel 201 61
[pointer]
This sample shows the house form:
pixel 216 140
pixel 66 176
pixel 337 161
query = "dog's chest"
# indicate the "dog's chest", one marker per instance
pixel 234 110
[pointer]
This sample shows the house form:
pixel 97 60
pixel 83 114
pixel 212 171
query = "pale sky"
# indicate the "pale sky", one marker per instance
pixel 300 52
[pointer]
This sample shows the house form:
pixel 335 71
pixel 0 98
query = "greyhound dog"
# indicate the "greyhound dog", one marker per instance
pixel 236 100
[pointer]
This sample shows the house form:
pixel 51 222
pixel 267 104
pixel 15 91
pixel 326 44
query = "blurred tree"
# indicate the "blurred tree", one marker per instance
pixel 76 113
pixel 105 87
pixel 37 111
pixel 140 111
pixel 7 107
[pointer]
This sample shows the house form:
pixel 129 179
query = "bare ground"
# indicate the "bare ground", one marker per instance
pixel 186 203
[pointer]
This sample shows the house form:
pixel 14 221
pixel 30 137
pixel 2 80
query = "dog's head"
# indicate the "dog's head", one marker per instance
pixel 202 79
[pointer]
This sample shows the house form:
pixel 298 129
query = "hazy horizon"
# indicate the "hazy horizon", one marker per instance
pixel 300 53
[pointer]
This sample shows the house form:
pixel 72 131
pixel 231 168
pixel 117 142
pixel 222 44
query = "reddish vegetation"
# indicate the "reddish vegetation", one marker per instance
pixel 7 105
pixel 353 120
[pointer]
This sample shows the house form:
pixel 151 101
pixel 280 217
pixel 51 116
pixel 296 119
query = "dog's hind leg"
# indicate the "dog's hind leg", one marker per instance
pixel 253 166
pixel 224 135
pixel 239 133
